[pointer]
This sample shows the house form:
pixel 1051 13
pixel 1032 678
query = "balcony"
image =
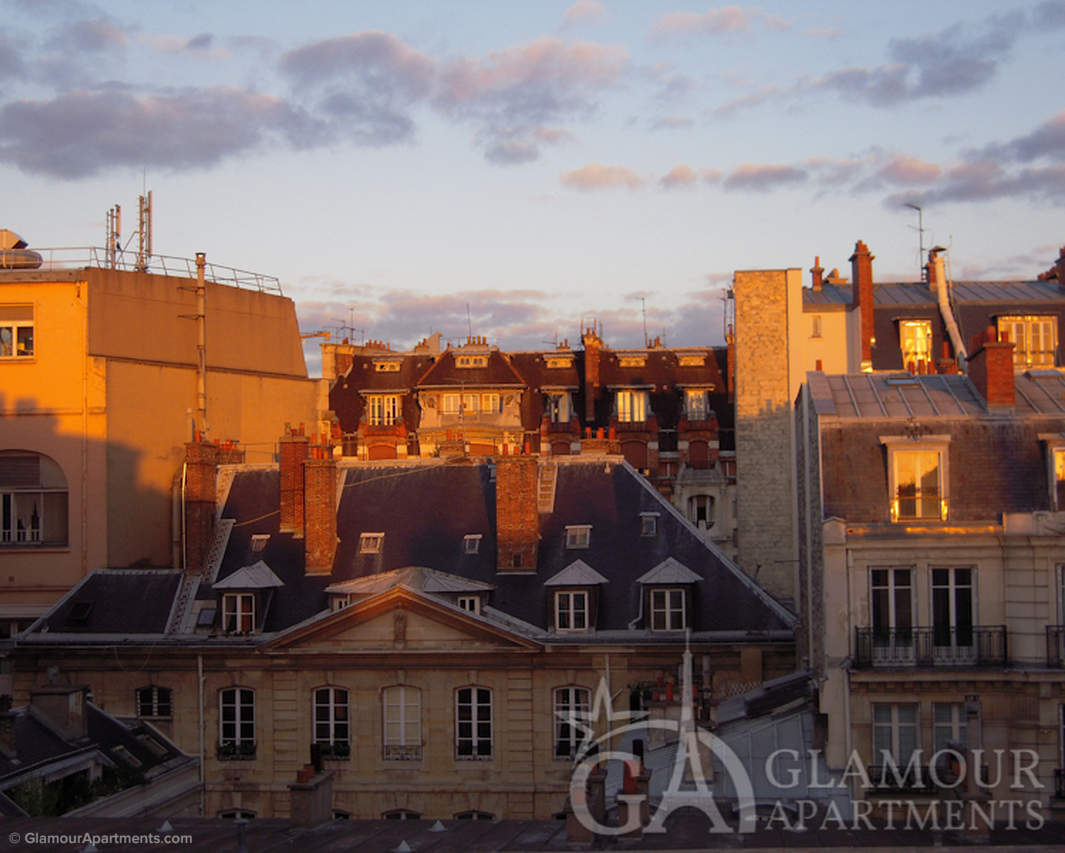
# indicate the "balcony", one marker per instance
pixel 1056 646
pixel 570 427
pixel 978 646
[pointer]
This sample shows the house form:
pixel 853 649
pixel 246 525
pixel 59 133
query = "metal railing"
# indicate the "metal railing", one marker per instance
pixel 1056 646
pixel 979 645
pixel 80 257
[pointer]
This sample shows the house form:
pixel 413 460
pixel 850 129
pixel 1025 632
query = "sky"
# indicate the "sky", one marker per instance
pixel 519 170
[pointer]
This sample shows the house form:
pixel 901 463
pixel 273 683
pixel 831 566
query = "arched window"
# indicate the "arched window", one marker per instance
pixel 33 500
pixel 401 710
pixel 401 814
pixel 474 814
pixel 332 727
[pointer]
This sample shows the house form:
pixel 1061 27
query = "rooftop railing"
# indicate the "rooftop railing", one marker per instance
pixel 80 257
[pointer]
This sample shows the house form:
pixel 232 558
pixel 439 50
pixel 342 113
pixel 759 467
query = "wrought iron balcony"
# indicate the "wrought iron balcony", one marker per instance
pixel 979 645
pixel 1056 646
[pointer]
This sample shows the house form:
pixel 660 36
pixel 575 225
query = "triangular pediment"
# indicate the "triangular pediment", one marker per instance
pixel 403 620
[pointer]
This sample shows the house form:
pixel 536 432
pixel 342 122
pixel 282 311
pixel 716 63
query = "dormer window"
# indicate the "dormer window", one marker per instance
pixel 632 360
pixel 578 536
pixel 691 360
pixel 371 543
pixel 571 610
pixel 471 543
pixel 238 612
pixel 1035 339
pixel 632 406
pixel 557 407
pixel 471 360
pixel 917 477
pixel 339 602
pixel 386 366
pixel 695 404
pixel 557 361
pixel 258 542
pixel 470 603
pixel 668 609
pixel 648 523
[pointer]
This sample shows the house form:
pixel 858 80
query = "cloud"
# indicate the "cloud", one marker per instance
pixel 763 178
pixel 372 60
pixel 89 36
pixel 11 64
pixel 679 177
pixel 1047 140
pixel 987 181
pixel 724 19
pixel 908 171
pixel 584 12
pixel 82 133
pixel 596 176
pixel 670 123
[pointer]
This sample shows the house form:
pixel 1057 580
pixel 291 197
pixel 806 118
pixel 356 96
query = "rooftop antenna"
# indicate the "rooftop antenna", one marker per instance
pixel 350 327
pixel 469 324
pixel 920 238
pixel 144 230
pixel 114 235
pixel 643 310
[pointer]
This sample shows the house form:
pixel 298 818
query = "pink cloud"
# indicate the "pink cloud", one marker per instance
pixel 724 19
pixel 596 176
pixel 678 177
pixel 908 171
pixel 584 11
pixel 762 178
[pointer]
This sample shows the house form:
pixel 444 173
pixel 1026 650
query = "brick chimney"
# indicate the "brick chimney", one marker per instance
pixel 862 283
pixel 991 369
pixel 593 347
pixel 517 514
pixel 1059 266
pixel 817 274
pixel 320 513
pixel 293 447
pixel 63 708
pixel 201 467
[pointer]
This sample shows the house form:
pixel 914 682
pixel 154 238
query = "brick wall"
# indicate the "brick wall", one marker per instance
pixel 201 460
pixel 320 517
pixel 517 516
pixel 293 452
pixel 862 280
pixel 991 371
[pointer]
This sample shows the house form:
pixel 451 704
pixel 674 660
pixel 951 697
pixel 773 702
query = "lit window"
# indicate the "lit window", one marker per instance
pixel 473 723
pixel 386 366
pixel 236 723
pixel 691 360
pixel 894 734
pixel 470 603
pixel 490 404
pixel 452 403
pixel 668 612
pixel 402 715
pixel 632 360
pixel 632 406
pixel 559 361
pixel 469 402
pixel 471 543
pixel 238 612
pixel 695 404
pixel 383 409
pixel 370 543
pixel 1057 483
pixel 154 702
pixel 332 727
pixel 918 477
pixel 557 407
pixel 571 610
pixel 1035 338
pixel 815 326
pixel 648 524
pixel 16 331
pixel 258 542
pixel 572 708
pixel 578 536
pixel 33 500
pixel 915 341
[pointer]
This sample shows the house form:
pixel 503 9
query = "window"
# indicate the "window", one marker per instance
pixel 370 543
pixel 632 406
pixel 236 723
pixel 401 814
pixel 892 596
pixel 383 409
pixel 402 715
pixel 915 341
pixel 153 702
pixel 557 407
pixel 471 543
pixel 668 610
pixel 952 611
pixel 238 612
pixel 1035 338
pixel 917 477
pixel 473 723
pixel 815 326
pixel 691 360
pixel 473 814
pixel 701 510
pixel 632 360
pixel 571 610
pixel 258 542
pixel 237 814
pixel 386 366
pixel 949 726
pixel 1058 482
pixel 695 404
pixel 572 708
pixel 490 404
pixel 471 360
pixel 648 524
pixel 556 361
pixel 470 603
pixel 452 403
pixel 578 536
pixel 894 734
pixel 338 602
pixel 33 500
pixel 16 331
pixel 332 727
pixel 469 402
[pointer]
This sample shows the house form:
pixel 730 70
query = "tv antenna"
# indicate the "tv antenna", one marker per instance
pixel 920 238
pixel 643 311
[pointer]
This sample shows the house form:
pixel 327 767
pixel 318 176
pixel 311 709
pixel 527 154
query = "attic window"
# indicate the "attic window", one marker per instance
pixel 648 523
pixel 471 543
pixel 386 366
pixel 79 614
pixel 339 602
pixel 471 360
pixel 632 360
pixel 258 542
pixel 691 360
pixel 206 617
pixel 370 543
pixel 238 612
pixel 470 603
pixel 578 536
pixel 554 361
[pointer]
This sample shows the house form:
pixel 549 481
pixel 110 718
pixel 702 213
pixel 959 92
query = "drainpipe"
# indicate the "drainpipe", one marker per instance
pixel 943 298
pixel 201 342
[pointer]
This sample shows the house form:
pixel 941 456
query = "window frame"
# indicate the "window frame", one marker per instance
pixel 371 543
pixel 44 502
pixel 334 729
pixel 558 406
pixel 471 543
pixel 566 734
pixel 565 604
pixel 404 747
pixel 648 524
pixel 490 403
pixel 243 704
pixel 631 406
pixel 476 720
pixel 451 404
pixel 158 697
pixel 894 728
pixel 1022 350
pixel 957 726
pixel 696 404
pixel 578 537
pixel 900 446
pixel 915 342
pixel 474 600
pixel 233 607
pixel 14 326
pixel 667 608
pixel 383 409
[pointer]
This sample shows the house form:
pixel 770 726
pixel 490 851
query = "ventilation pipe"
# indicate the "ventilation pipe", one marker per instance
pixel 943 298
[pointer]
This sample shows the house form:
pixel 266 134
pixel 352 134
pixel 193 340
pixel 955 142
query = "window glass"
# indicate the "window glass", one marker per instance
pixel 16 331
pixel 1035 339
pixel 473 723
pixel 33 500
pixel 917 484
pixel 332 727
pixel 915 341
pixel 402 715
pixel 572 706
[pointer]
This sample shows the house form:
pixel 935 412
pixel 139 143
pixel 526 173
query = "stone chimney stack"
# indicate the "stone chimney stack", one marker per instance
pixel 991 369
pixel 63 708
pixel 517 513
pixel 862 284
pixel 593 347
pixel 320 512
pixel 201 467
pixel 817 274
pixel 293 450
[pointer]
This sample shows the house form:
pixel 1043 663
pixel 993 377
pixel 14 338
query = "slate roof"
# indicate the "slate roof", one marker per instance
pixel 917 293
pixel 100 603
pixel 256 576
pixel 445 373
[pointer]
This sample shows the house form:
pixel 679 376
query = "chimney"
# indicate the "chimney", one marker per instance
pixel 862 283
pixel 932 269
pixel 311 798
pixel 320 513
pixel 1059 267
pixel 593 346
pixel 517 513
pixel 817 274
pixel 991 369
pixel 62 707
pixel 201 466
pixel 293 447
